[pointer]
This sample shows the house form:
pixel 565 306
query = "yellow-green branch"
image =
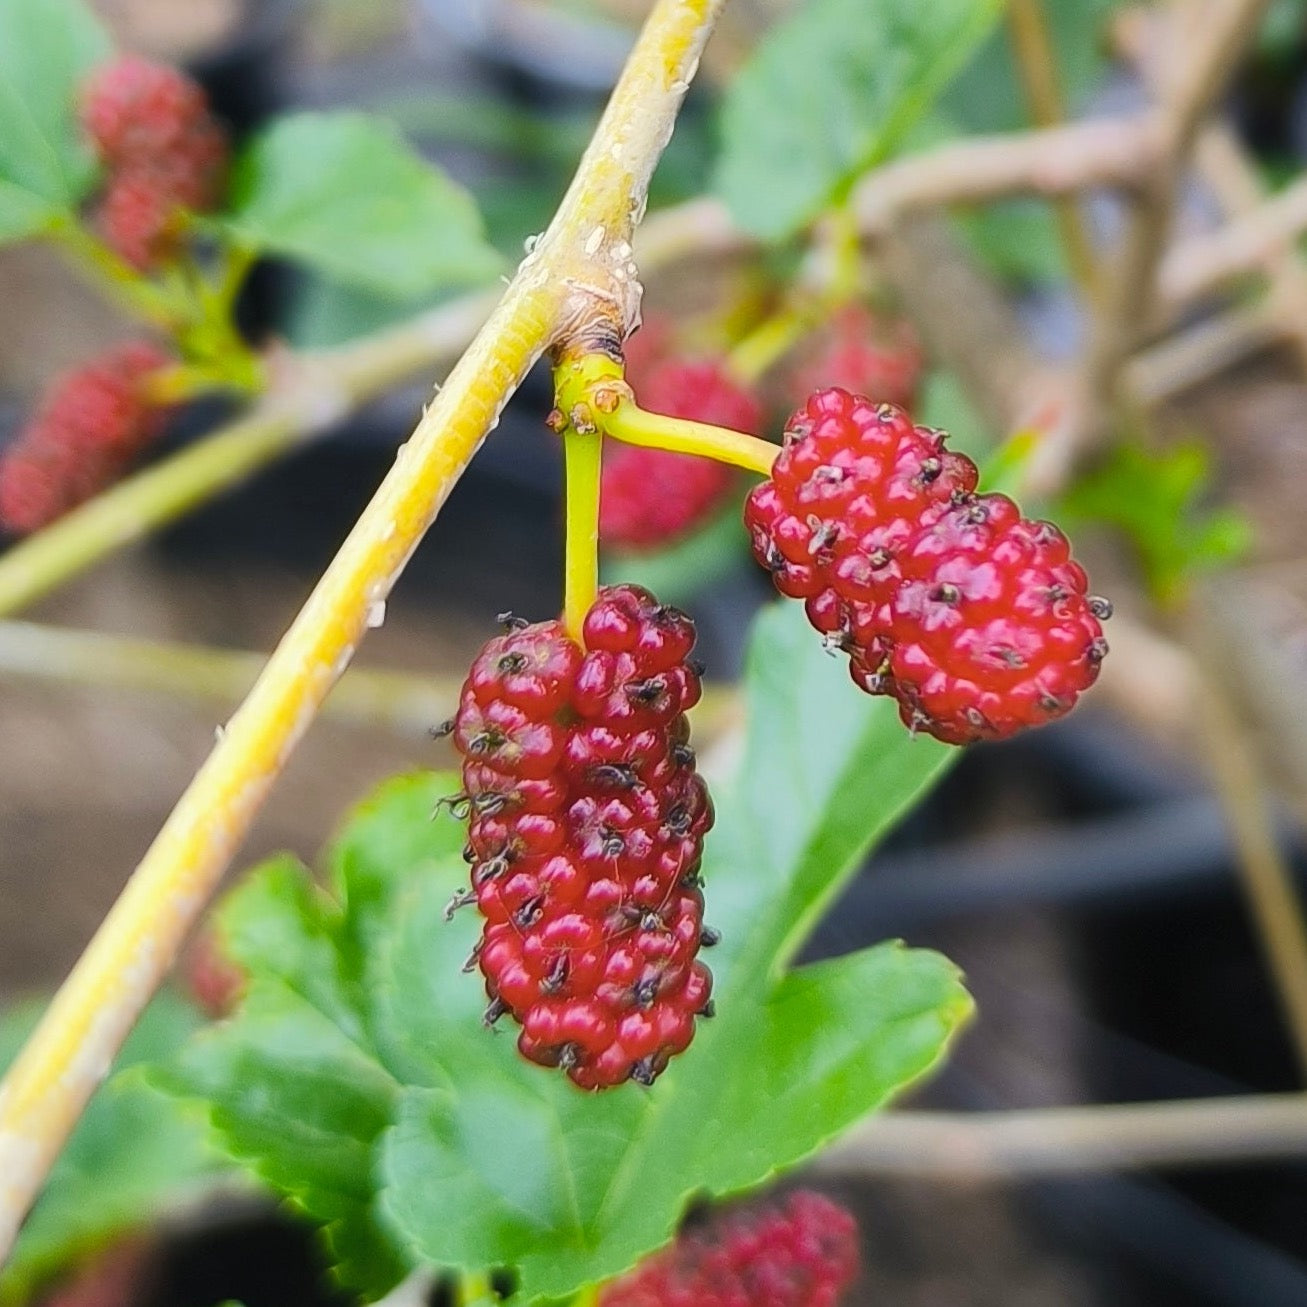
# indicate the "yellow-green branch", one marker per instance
pixel 636 426
pixel 407 703
pixel 578 280
pixel 404 702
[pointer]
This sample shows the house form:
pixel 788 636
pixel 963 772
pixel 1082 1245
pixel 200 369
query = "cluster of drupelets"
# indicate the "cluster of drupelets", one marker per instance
pixel 163 158
pixel 586 820
pixel 801 1253
pixel 975 619
pixel 91 426
pixel 585 847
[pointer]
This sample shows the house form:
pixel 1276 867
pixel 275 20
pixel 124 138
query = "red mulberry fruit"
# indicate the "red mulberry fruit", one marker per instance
pixel 164 153
pixel 802 1254
pixel 586 826
pixel 975 619
pixel 93 422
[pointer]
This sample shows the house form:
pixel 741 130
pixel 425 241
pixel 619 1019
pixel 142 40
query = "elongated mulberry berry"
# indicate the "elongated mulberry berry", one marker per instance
pixel 975 619
pixel 801 1254
pixel 586 826
pixel 93 422
pixel 649 497
pixel 163 152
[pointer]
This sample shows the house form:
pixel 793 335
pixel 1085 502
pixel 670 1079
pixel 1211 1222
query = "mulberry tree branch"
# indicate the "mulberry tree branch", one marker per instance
pixel 577 285
pixel 1218 42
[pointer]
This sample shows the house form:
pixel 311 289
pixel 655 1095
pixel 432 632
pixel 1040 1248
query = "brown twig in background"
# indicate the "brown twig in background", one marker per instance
pixel 1241 789
pixel 1056 1141
pixel 1048 161
pixel 1143 36
pixel 1225 166
pixel 1257 239
pixel 1195 354
pixel 1213 50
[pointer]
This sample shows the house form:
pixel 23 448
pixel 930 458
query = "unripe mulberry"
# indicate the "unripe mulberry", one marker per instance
pixel 586 825
pixel 801 1254
pixel 135 110
pixel 164 155
pixel 975 619
pixel 649 497
pixel 92 424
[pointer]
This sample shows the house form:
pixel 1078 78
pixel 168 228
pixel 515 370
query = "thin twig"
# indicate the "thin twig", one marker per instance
pixel 1211 54
pixel 1036 60
pixel 1256 240
pixel 1144 36
pixel 1189 357
pixel 1048 161
pixel 1226 167
pixel 400 701
pixel 579 278
pixel 1267 879
pixel 407 703
pixel 1058 1141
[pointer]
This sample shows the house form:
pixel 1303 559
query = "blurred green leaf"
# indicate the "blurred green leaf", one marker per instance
pixel 1283 30
pixel 1155 498
pixel 345 194
pixel 944 404
pixel 46 49
pixel 831 91
pixel 358 1078
pixel 135 1152
pixel 1018 239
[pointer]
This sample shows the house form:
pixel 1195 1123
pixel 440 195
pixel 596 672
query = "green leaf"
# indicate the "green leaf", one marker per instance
pixel 134 1153
pixel 46 49
pixel 1155 498
pixel 830 92
pixel 293 1097
pixel 344 193
pixel 419 1137
pixel 298 1088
